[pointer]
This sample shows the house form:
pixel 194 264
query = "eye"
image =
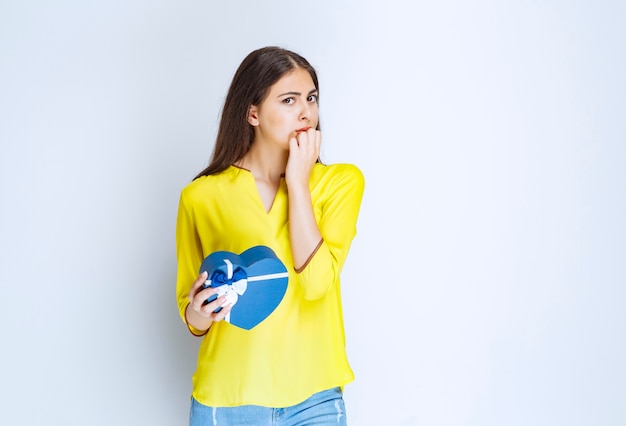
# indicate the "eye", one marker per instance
pixel 312 98
pixel 289 101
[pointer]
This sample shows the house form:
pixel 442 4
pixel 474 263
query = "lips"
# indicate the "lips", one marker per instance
pixel 304 129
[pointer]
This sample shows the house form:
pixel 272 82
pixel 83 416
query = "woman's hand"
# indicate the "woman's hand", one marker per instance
pixel 200 315
pixel 304 150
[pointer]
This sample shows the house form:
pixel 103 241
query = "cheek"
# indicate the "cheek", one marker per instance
pixel 314 121
pixel 280 128
pixel 315 115
pixel 278 118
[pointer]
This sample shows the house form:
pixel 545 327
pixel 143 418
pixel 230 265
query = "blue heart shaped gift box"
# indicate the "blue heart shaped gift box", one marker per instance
pixel 254 282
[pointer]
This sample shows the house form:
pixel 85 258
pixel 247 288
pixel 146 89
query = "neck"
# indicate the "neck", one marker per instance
pixel 264 163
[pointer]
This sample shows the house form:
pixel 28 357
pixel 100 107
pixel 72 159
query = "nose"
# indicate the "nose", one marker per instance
pixel 305 113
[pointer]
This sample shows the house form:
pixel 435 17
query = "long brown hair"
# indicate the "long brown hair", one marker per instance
pixel 250 85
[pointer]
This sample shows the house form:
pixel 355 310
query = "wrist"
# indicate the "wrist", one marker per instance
pixel 194 327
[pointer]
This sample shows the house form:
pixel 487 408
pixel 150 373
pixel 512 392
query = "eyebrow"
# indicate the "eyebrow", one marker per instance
pixel 297 93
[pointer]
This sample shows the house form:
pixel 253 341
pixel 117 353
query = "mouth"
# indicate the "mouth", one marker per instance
pixel 304 129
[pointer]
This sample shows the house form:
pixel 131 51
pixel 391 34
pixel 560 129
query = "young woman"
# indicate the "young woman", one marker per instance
pixel 265 186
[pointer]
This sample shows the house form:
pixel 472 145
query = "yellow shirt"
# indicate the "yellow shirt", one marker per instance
pixel 300 348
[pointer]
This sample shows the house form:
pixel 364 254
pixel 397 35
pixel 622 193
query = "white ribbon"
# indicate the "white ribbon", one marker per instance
pixel 231 291
pixel 239 287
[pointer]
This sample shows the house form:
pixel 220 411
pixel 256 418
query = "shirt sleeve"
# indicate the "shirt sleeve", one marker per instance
pixel 189 256
pixel 337 224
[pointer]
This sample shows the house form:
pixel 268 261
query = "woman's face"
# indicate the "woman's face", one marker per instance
pixel 289 107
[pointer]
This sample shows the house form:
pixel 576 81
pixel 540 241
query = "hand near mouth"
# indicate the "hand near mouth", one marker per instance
pixel 304 150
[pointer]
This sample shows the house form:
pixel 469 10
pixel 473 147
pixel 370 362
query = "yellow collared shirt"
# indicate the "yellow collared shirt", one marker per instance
pixel 299 349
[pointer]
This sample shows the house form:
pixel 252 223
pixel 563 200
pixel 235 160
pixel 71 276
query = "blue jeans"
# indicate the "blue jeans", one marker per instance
pixel 321 409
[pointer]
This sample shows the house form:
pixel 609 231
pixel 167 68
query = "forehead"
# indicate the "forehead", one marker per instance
pixel 298 80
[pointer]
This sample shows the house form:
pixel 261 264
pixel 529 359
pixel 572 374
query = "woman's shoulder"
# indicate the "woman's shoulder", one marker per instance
pixel 343 173
pixel 338 170
pixel 203 184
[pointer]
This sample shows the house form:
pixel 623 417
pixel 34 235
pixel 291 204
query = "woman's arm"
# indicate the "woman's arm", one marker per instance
pixel 320 245
pixel 304 233
pixel 189 292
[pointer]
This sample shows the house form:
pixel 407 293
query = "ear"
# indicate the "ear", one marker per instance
pixel 252 115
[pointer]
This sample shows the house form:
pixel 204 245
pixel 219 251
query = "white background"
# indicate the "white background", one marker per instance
pixel 486 285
